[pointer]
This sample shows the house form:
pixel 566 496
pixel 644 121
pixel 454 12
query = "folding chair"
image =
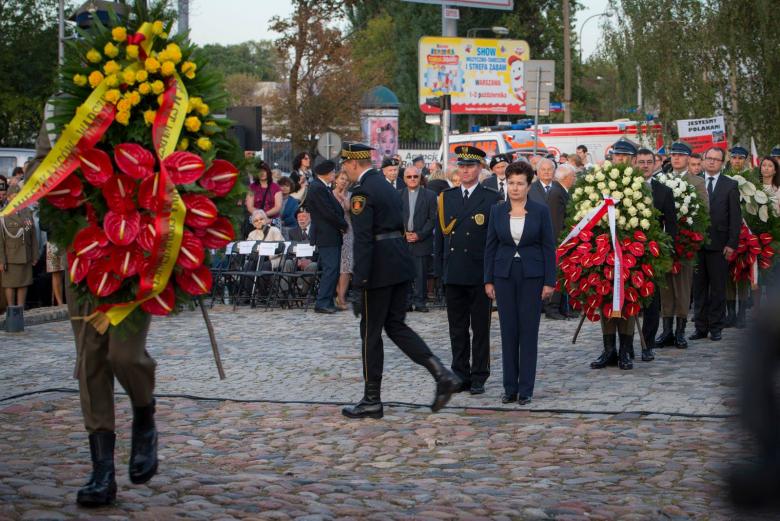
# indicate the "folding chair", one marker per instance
pixel 298 286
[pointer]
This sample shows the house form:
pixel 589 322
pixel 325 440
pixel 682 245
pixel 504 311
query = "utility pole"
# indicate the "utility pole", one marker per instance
pixel 449 27
pixel 566 63
pixel 184 16
pixel 61 32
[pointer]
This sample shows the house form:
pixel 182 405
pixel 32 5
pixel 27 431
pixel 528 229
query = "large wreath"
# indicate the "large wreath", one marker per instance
pixel 759 234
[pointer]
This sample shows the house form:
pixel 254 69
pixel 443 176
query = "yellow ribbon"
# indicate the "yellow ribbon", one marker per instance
pixel 445 229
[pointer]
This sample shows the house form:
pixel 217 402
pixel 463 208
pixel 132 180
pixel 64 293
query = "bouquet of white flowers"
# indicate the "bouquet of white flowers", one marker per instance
pixel 692 219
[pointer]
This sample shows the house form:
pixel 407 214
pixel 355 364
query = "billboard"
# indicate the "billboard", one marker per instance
pixel 380 131
pixel 702 134
pixel 483 75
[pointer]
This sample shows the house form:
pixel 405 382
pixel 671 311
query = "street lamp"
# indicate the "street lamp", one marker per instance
pixel 498 31
pixel 591 17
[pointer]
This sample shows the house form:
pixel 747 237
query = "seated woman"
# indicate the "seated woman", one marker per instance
pixel 265 232
pixel 519 274
pixel 289 205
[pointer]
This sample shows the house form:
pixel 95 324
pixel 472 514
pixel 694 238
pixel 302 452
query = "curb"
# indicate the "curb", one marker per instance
pixel 34 317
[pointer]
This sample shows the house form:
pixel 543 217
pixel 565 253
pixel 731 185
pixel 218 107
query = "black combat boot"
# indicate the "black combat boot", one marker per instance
pixel 679 334
pixel 447 382
pixel 739 321
pixel 143 452
pixel 666 338
pixel 370 406
pixel 608 356
pixel 624 356
pixel 101 488
pixel 648 355
pixel 731 313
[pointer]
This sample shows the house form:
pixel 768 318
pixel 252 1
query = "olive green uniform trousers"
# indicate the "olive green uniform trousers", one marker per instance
pixel 676 296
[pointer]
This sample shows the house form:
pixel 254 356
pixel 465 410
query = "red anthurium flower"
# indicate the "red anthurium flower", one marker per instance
pixel 191 254
pixel 118 193
pixel 78 267
pixel 161 304
pixel 201 212
pixel 611 260
pixel 609 272
pixel 134 160
pixel 96 166
pixel 655 251
pixel 625 242
pixel 768 251
pixel 604 238
pixel 184 167
pixel 629 261
pixel 764 263
pixel 637 279
pixel 67 194
pixel 676 267
pixel 195 282
pixel 593 279
pixel 586 235
pixel 594 301
pixel 583 247
pixel 126 262
pixel 606 310
pixel 631 309
pixel 647 289
pixel 640 236
pixel 101 281
pixel 558 286
pixel 122 228
pixel 220 178
pixel 150 196
pixel 648 270
pixel 217 234
pixel 90 243
pixel 583 286
pixel 575 273
pixel 147 233
pixel 637 248
pixel 631 294
pixel 585 261
pixel 605 288
pixel 766 238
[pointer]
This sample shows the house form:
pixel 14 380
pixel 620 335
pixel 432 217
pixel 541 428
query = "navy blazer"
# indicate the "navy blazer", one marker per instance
pixel 536 247
pixel 327 216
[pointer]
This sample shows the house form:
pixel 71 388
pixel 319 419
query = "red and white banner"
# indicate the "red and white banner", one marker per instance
pixel 702 134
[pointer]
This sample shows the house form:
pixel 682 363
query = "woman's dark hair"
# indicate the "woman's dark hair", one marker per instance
pixel 296 164
pixel 776 177
pixel 286 181
pixel 520 168
pixel 18 171
pixel 262 165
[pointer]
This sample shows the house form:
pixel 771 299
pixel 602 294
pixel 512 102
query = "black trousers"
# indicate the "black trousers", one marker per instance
pixel 469 306
pixel 418 292
pixel 651 319
pixel 386 308
pixel 709 291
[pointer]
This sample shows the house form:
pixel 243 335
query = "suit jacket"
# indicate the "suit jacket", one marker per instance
pixel 424 220
pixel 375 211
pixel 297 234
pixel 536 247
pixel 663 200
pixel 725 215
pixel 698 184
pixel 460 253
pixel 555 200
pixel 327 215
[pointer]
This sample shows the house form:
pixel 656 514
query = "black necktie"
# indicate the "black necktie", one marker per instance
pixel 709 186
pixel 547 189
pixel 501 190
pixel 465 197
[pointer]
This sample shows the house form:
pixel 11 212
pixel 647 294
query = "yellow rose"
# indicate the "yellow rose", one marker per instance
pixel 149 116
pixel 111 67
pixel 144 88
pixel 210 128
pixel 128 76
pixel 168 68
pixel 157 27
pixel 188 69
pixel 132 51
pixel 203 110
pixel 141 75
pixel 192 123
pixel 94 56
pixel 95 77
pixel 204 144
pixel 119 34
pixel 184 144
pixel 112 95
pixel 158 86
pixel 123 117
pixel 124 105
pixel 151 65
pixel 194 103
pixel 112 80
pixel 80 80
pixel 162 56
pixel 173 52
pixel 110 50
pixel 134 97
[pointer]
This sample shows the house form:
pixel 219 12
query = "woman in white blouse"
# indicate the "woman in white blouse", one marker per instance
pixel 519 274
pixel 770 178
pixel 264 231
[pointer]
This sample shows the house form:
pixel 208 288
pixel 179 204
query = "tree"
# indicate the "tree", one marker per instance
pixel 257 58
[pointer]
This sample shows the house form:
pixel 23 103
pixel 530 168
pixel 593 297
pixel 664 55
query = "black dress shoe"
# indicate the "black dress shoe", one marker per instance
pixel 698 335
pixel 477 389
pixel 327 311
pixel 421 309
pixel 554 315
pixel 524 400
pixel 716 336
pixel 508 398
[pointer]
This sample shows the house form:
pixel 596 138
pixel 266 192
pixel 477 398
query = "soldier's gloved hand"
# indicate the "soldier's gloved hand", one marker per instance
pixel 357 304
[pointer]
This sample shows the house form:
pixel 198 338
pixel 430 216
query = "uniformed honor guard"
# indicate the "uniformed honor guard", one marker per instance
pixel 460 252
pixel 737 295
pixel 18 254
pixel 676 295
pixel 382 273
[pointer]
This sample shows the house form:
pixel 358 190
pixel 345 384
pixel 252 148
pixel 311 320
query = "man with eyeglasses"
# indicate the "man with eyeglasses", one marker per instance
pixel 419 213
pixel 712 271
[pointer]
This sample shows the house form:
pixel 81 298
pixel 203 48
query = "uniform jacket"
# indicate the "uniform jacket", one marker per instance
pixel 327 215
pixel 536 247
pixel 698 184
pixel 460 253
pixel 375 210
pixel 555 200
pixel 725 215
pixel 24 249
pixel 663 200
pixel 424 220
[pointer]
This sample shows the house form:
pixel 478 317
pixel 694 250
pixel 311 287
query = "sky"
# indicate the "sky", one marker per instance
pixel 235 21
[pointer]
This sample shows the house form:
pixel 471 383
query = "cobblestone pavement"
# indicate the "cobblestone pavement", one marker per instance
pixel 226 459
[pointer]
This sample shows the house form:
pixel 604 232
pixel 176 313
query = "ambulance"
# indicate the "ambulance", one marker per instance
pixel 514 142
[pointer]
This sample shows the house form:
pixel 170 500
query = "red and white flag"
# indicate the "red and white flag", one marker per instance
pixel 753 153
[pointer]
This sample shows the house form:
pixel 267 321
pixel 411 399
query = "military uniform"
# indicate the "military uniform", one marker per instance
pixel 18 249
pixel 460 253
pixel 382 273
pixel 737 295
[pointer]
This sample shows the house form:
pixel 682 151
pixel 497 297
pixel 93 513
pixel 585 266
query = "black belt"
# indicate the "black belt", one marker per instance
pixel 388 235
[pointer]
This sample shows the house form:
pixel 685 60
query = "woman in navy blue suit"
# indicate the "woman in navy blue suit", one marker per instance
pixel 519 274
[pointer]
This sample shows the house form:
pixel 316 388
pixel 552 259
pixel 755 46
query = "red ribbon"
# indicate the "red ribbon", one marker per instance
pixel 137 39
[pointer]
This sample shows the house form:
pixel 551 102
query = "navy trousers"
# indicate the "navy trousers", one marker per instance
pixel 519 301
pixel 418 292
pixel 330 262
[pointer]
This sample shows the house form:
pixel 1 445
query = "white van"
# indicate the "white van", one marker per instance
pixel 10 158
pixel 598 136
pixel 515 142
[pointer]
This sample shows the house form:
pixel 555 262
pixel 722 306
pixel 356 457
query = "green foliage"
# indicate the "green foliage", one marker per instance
pixel 256 58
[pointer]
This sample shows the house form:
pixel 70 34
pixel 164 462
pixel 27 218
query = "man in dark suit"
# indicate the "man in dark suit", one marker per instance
pixel 390 168
pixel 419 214
pixel 301 231
pixel 460 250
pixel 712 271
pixel 328 226
pixel 663 201
pixel 382 272
pixel 549 192
pixel 497 181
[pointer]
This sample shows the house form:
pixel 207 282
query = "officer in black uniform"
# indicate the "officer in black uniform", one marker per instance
pixel 382 273
pixel 460 252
